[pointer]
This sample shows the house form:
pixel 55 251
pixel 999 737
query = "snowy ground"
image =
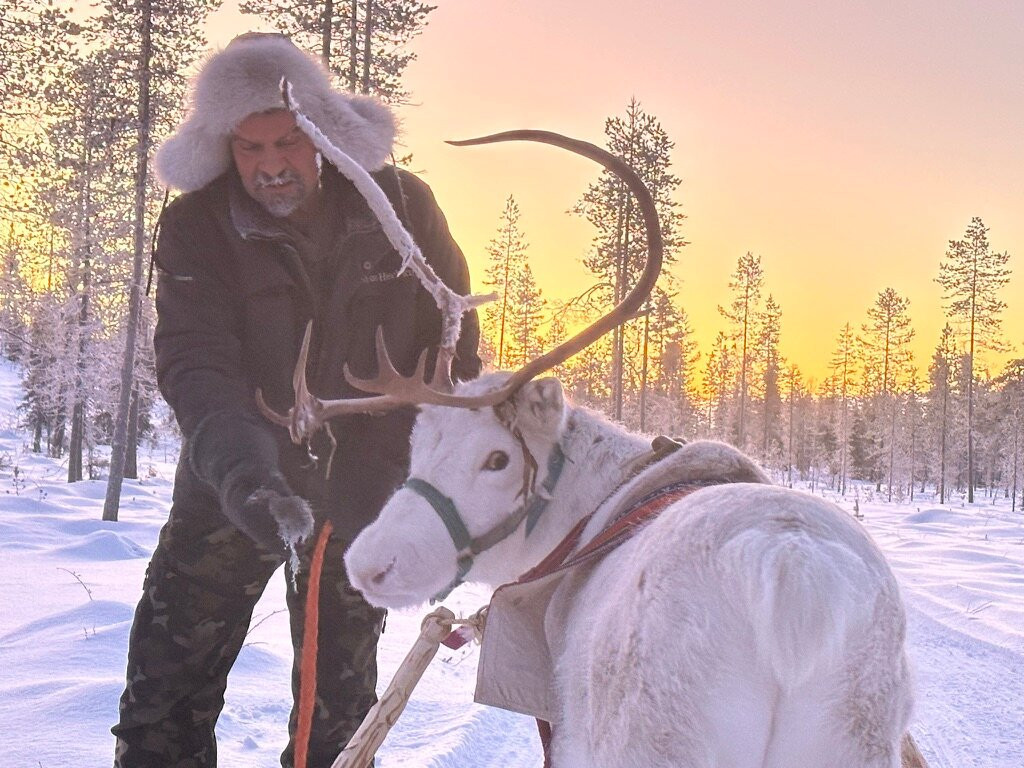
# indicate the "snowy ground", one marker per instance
pixel 70 583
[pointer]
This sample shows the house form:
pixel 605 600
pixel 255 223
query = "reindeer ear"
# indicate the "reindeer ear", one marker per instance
pixel 542 401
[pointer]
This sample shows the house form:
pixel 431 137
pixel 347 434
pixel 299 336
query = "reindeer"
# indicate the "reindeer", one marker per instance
pixel 745 625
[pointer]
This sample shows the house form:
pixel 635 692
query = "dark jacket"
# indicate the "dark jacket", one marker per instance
pixel 233 301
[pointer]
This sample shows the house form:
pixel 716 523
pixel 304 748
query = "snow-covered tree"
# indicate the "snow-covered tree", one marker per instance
pixel 844 371
pixel 972 276
pixel 886 356
pixel 742 313
pixel 1011 423
pixel 769 364
pixel 365 43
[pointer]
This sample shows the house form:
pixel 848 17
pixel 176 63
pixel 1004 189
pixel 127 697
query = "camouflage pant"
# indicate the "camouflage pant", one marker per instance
pixel 201 587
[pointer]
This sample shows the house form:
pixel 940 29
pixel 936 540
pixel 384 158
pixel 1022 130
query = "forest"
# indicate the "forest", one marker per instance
pixel 88 96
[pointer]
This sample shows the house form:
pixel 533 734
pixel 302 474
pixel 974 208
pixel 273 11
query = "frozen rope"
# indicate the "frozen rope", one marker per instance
pixel 451 304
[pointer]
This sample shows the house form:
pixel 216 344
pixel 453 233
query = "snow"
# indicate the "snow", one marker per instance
pixel 70 583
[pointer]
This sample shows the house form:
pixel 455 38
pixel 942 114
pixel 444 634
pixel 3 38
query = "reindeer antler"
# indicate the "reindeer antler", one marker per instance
pixel 392 388
pixel 414 391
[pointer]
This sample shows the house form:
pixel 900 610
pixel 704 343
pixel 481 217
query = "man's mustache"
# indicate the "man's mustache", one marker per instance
pixel 263 180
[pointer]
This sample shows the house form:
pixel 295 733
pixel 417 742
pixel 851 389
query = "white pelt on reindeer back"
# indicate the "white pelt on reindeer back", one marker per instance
pixel 516 668
pixel 245 78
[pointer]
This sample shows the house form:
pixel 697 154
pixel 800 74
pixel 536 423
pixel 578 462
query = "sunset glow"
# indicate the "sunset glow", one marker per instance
pixel 843 143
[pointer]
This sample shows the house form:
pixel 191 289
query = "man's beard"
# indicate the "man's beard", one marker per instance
pixel 277 201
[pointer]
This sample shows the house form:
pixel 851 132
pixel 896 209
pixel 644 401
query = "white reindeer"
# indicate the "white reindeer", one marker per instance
pixel 746 626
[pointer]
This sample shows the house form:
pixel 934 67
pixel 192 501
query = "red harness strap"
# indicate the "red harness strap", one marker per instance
pixel 624 527
pixel 307 663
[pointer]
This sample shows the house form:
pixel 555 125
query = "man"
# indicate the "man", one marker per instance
pixel 267 238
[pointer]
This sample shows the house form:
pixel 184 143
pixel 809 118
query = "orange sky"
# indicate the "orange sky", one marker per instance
pixel 845 143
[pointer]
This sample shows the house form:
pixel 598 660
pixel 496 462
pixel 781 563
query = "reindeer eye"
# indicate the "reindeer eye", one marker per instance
pixel 497 461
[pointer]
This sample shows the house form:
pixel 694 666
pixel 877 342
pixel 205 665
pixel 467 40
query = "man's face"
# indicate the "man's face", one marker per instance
pixel 276 161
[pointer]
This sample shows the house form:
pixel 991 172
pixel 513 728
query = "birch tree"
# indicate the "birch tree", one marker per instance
pixel 154 47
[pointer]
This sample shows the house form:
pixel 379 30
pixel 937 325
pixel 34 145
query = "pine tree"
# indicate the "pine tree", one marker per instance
pixel 674 356
pixel 507 252
pixel 768 335
pixel 742 313
pixel 719 376
pixel 528 306
pixel 941 380
pixel 1011 396
pixel 914 420
pixel 887 335
pixel 793 383
pixel 843 370
pixel 971 277
pixel 620 246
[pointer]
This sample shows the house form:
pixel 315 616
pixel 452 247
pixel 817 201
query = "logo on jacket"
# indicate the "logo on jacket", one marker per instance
pixel 382 276
pixel 379 277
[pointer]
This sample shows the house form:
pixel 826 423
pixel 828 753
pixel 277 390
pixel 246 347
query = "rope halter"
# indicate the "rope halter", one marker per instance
pixel 467 546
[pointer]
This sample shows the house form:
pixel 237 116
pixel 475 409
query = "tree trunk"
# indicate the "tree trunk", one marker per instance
pixel 618 290
pixel 326 29
pixel 913 455
pixel 741 430
pixel 131 457
pixel 75 442
pixel 56 437
pixel 970 412
pixel 1016 461
pixel 367 46
pixel 118 447
pixel 504 304
pixel 789 441
pixel 643 372
pixel 353 47
pixel 942 444
pixel 892 441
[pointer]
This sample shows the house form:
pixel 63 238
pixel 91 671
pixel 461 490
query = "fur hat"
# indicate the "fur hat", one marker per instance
pixel 245 78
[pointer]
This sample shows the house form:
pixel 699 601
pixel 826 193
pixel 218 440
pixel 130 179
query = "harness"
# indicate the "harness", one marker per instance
pixel 623 527
pixel 468 546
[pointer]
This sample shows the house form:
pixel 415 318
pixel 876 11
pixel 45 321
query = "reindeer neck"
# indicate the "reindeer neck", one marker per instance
pixel 599 457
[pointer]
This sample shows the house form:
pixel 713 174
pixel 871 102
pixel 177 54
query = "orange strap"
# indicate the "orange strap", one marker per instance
pixel 307 663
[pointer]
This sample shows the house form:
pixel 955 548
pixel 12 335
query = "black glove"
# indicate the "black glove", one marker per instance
pixel 266 510
pixel 237 456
